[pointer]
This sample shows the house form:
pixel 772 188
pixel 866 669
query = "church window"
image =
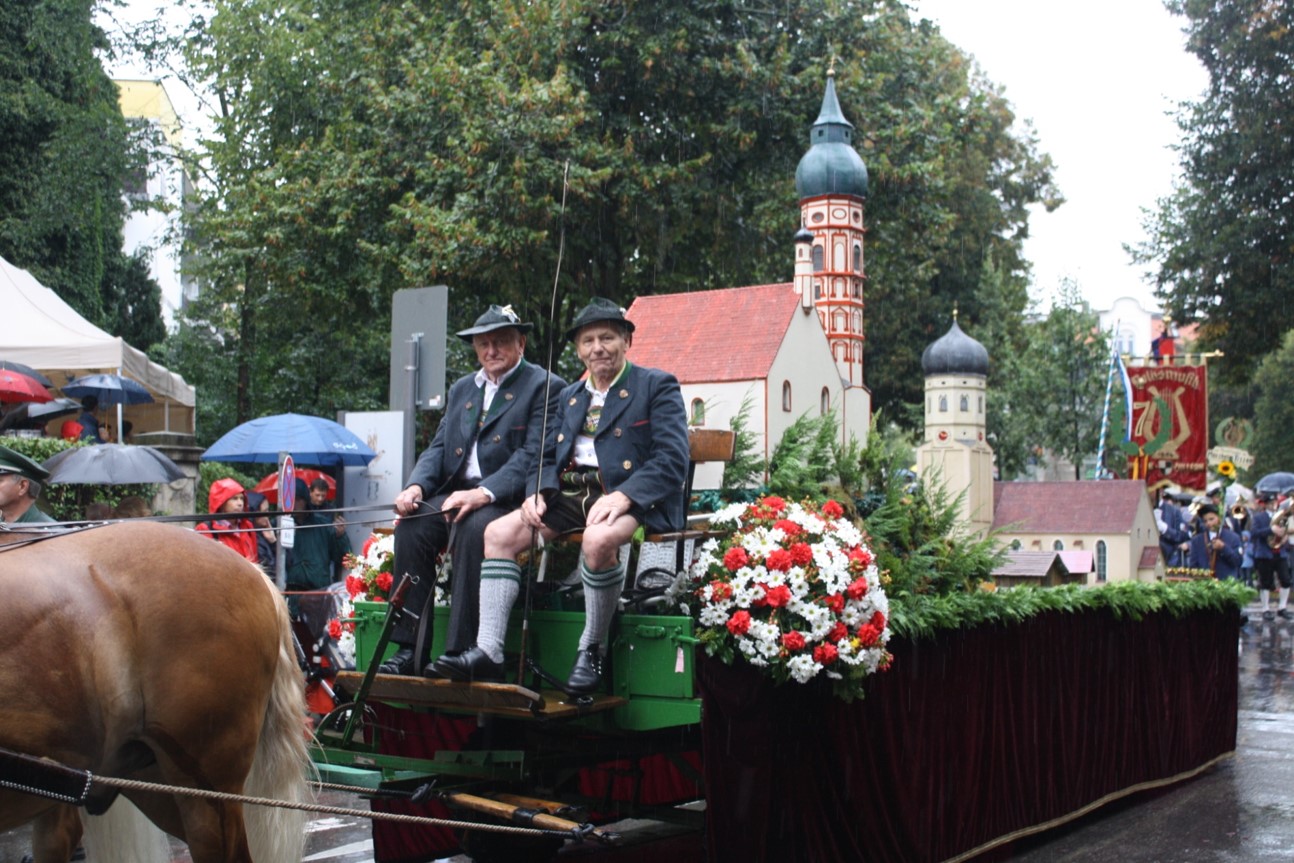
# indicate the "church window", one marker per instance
pixel 858 261
pixel 817 259
pixel 858 290
pixel 1058 545
pixel 1101 556
pixel 839 257
pixel 824 403
pixel 786 396
pixel 943 404
pixel 698 412
pixel 838 321
pixel 965 404
pixel 1015 545
pixel 817 290
pixel 980 402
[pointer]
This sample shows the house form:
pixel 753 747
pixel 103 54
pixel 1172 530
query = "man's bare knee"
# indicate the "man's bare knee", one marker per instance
pixel 501 536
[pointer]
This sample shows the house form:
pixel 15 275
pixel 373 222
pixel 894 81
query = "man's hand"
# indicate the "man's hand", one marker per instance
pixel 339 524
pixel 406 502
pixel 608 508
pixel 532 511
pixel 464 502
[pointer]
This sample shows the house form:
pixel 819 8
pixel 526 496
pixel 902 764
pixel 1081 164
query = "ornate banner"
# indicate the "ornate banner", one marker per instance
pixel 1170 422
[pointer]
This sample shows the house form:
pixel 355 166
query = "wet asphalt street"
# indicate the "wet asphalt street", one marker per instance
pixel 1241 811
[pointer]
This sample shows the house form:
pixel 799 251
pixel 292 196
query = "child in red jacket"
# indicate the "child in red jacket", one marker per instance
pixel 227 500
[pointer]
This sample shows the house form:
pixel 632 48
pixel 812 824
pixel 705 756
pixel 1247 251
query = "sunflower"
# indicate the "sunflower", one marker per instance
pixel 1227 469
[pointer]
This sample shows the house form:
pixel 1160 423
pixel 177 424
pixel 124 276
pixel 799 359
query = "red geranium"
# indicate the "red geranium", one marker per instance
pixel 776 597
pixel 720 590
pixel 831 509
pixel 836 602
pixel 384 581
pixel 860 557
pixel 334 629
pixel 878 621
pixel 739 623
pixel 793 640
pixel 801 554
pixel 825 654
pixel 735 558
pixel 779 561
pixel 868 635
pixel 837 632
pixel 788 527
pixel 857 588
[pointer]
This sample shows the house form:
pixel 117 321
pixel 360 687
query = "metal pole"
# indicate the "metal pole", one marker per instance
pixel 411 400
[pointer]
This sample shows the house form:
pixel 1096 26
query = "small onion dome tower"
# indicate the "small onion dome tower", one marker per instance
pixel 955 447
pixel 831 181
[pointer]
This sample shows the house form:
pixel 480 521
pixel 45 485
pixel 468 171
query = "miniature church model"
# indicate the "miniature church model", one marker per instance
pixel 955 452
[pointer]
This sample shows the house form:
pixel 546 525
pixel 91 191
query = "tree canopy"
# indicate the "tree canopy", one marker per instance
pixel 65 154
pixel 368 146
pixel 1220 246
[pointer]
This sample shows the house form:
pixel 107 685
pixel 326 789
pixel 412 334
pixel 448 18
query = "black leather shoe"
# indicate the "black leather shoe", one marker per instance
pixel 400 662
pixel 586 674
pixel 471 664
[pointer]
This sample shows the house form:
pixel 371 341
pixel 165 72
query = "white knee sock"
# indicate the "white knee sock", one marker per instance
pixel 601 598
pixel 1266 597
pixel 1284 598
pixel 500 585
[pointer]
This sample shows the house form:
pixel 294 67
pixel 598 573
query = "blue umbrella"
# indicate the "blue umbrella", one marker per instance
pixel 112 464
pixel 108 389
pixel 309 440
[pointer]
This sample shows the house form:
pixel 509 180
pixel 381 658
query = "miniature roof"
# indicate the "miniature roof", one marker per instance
pixel 955 353
pixel 1149 557
pixel 1025 564
pixel 732 334
pixel 1078 561
pixel 831 166
pixel 1087 506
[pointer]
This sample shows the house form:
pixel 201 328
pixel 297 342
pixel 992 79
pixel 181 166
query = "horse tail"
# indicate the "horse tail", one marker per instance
pixel 123 834
pixel 281 766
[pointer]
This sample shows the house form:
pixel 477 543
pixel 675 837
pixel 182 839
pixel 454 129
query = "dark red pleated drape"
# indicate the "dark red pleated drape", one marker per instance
pixel 971 736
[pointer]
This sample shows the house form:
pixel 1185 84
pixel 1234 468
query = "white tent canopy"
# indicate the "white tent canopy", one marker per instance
pixel 44 332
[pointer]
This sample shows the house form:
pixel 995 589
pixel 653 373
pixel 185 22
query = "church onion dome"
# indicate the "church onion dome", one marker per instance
pixel 955 353
pixel 804 235
pixel 831 166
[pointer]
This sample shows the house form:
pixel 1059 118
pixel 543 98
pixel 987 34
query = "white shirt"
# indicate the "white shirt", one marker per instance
pixel 489 388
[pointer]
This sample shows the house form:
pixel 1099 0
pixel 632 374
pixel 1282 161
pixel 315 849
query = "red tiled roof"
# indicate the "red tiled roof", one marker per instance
pixel 731 334
pixel 1149 557
pixel 1087 506
pixel 1025 564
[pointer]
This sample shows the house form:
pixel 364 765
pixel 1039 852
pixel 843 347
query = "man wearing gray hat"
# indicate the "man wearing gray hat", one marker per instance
pixel 616 458
pixel 475 471
pixel 20 480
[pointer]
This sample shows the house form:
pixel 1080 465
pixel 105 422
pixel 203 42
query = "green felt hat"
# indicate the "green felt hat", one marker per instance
pixel 16 462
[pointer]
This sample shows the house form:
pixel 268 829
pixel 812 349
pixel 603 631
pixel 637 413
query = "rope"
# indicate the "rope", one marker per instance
pixel 140 785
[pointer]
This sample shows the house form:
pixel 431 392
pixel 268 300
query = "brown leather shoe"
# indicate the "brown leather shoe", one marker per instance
pixel 471 664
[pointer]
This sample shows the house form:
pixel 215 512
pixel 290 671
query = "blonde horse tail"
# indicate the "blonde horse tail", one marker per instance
pixel 123 834
pixel 282 766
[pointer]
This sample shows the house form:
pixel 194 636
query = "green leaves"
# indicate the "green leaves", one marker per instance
pixel 922 617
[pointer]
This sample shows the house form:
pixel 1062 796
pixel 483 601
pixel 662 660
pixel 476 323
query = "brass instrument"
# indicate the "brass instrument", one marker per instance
pixel 1280 527
pixel 1239 510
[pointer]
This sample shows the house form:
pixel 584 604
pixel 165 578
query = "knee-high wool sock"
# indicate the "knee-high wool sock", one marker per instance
pixel 500 586
pixel 601 597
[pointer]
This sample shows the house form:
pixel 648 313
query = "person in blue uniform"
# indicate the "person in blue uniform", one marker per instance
pixel 616 458
pixel 476 470
pixel 1215 547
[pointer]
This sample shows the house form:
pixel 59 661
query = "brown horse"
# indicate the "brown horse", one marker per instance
pixel 146 651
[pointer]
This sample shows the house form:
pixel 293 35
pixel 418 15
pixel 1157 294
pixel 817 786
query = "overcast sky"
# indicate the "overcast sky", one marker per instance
pixel 1097 78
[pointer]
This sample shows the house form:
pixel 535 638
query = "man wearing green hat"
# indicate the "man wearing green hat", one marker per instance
pixel 616 458
pixel 20 480
pixel 476 470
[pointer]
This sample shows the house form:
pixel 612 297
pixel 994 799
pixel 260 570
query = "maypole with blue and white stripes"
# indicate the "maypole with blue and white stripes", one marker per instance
pixel 1117 369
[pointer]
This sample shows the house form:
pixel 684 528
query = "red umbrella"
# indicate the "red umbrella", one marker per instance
pixel 18 387
pixel 270 485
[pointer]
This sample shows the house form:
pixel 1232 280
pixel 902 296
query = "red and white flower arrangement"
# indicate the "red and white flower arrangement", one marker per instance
pixel 793 589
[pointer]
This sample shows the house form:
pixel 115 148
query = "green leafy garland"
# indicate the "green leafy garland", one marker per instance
pixel 922 617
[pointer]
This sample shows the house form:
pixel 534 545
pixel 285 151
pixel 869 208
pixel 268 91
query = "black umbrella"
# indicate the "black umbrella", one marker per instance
pixel 112 464
pixel 1280 482
pixel 27 370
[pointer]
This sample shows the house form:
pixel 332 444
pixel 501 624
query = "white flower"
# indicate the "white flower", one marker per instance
pixel 803 668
